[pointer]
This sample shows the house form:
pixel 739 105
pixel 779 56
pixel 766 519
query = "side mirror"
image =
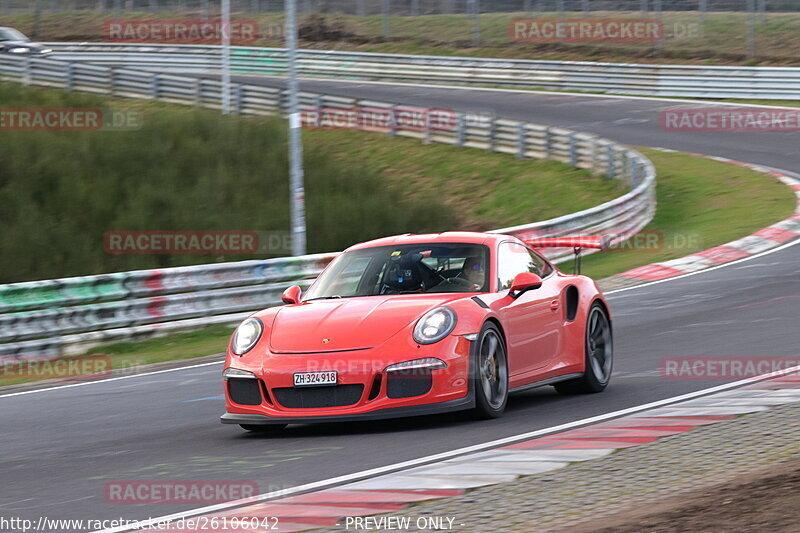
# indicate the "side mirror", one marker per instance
pixel 524 281
pixel 291 295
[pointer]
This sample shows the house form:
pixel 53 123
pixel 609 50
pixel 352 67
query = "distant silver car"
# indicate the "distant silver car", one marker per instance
pixel 15 42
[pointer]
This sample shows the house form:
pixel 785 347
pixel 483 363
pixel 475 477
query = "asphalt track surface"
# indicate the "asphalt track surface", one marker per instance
pixel 59 447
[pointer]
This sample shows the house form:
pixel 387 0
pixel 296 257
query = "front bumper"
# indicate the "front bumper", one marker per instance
pixel 364 390
pixel 450 406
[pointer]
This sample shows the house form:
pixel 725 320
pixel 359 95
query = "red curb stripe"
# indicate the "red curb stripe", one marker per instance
pixel 617 432
pixel 362 497
pixel 556 444
pixel 710 419
pixel 432 492
pixel 652 272
pixel 664 430
pixel 776 234
pixel 722 254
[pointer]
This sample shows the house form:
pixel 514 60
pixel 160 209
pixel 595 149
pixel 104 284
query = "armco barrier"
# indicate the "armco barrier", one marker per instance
pixel 55 317
pixel 689 81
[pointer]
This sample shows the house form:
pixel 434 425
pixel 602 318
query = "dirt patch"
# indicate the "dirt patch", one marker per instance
pixel 759 502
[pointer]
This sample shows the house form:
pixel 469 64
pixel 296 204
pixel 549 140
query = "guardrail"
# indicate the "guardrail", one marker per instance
pixel 688 81
pixel 66 316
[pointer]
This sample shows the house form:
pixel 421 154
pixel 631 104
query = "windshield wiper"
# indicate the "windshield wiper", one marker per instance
pixel 334 297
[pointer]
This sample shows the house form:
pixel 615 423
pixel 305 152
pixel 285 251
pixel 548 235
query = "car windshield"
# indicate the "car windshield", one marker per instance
pixel 10 34
pixel 405 269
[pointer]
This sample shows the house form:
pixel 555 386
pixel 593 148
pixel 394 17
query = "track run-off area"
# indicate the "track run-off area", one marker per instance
pixel 61 446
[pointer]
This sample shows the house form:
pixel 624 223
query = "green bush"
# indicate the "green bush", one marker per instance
pixel 185 169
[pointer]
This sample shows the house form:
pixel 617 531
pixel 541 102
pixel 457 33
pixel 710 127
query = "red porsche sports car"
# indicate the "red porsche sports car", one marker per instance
pixel 420 324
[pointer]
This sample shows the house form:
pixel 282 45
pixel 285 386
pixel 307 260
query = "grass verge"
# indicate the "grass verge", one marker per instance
pixel 700 205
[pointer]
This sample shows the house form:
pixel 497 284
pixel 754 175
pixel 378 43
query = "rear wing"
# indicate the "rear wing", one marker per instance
pixel 599 242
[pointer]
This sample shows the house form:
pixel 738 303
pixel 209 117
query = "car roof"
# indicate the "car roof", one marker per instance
pixel 433 238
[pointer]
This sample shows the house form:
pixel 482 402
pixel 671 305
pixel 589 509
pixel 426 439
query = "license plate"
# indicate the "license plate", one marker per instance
pixel 310 379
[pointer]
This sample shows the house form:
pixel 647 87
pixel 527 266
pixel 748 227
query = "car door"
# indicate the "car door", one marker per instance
pixel 532 321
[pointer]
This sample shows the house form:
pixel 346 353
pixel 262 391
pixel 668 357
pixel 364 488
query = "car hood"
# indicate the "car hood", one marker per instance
pixel 348 323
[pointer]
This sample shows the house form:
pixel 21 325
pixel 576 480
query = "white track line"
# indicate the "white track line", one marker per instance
pixel 327 483
pixel 109 379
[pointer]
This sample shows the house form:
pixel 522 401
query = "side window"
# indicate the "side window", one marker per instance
pixel 544 267
pixel 512 259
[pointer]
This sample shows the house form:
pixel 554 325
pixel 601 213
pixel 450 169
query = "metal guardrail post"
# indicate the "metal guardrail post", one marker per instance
pixel 751 29
pixel 111 80
pixel 611 172
pixel 155 80
pixel 393 121
pixel 27 74
pixel 492 133
pixel 461 131
pixel 385 7
pixel 657 8
pixel 548 141
pixel 69 84
pixel 239 99
pixel 573 155
pixel 628 166
pixel 521 140
pixel 427 134
pixel 473 6
pixel 198 92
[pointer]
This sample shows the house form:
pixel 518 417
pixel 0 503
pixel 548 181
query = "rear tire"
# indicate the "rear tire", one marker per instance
pixel 490 379
pixel 263 429
pixel 599 353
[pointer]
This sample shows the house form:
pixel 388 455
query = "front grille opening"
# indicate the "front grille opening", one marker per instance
pixel 313 397
pixel 406 384
pixel 244 391
pixel 376 387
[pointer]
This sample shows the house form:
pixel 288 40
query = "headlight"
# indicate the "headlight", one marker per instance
pixel 246 336
pixel 435 325
pixel 18 50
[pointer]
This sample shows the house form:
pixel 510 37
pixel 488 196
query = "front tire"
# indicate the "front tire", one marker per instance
pixel 263 429
pixel 599 350
pixel 490 381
